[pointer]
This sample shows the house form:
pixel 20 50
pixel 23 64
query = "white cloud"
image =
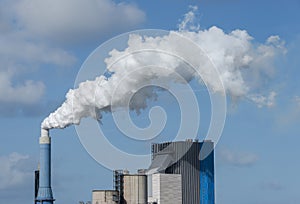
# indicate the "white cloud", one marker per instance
pixel 18 55
pixel 237 158
pixel 17 47
pixel 260 100
pixel 13 171
pixel 76 20
pixel 29 28
pixel 29 92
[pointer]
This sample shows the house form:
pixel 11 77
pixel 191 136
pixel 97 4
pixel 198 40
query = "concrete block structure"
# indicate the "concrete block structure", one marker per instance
pixel 166 189
pixel 105 197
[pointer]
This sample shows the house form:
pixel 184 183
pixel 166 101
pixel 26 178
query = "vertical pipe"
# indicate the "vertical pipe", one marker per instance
pixel 36 183
pixel 45 192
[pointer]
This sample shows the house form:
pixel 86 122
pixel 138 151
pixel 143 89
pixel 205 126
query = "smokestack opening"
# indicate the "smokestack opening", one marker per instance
pixel 44 132
pixel 45 139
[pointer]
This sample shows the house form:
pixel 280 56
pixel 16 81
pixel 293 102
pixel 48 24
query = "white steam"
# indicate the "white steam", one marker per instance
pixel 234 55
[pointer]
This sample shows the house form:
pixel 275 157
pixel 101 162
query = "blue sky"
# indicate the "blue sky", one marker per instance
pixel 42 48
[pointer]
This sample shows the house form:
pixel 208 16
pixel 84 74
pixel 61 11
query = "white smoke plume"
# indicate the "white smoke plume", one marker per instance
pixel 234 55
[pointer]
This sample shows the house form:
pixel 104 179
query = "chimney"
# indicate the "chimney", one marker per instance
pixel 45 192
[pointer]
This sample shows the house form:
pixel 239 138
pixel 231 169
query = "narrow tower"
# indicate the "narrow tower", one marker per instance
pixel 45 192
pixel 36 183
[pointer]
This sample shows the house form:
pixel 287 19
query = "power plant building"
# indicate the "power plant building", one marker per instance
pixel 194 161
pixel 181 172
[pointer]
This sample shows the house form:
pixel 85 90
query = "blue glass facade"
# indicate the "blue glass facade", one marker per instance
pixel 207 190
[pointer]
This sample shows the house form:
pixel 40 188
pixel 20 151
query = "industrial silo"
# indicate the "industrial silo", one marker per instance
pixel 135 188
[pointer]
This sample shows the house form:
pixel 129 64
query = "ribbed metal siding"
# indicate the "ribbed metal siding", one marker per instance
pixel 167 188
pixel 188 165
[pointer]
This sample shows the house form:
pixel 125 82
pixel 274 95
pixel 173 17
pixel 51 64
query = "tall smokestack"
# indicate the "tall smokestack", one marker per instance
pixel 45 192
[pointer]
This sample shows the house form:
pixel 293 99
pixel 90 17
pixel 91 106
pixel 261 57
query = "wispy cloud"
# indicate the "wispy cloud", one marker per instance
pixel 261 101
pixel 73 21
pixel 189 21
pixel 297 101
pixel 235 158
pixel 290 114
pixel 15 170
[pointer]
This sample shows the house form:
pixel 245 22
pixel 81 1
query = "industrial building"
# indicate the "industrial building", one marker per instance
pixel 181 172
pixel 105 197
pixel 128 189
pixel 166 188
pixel 184 158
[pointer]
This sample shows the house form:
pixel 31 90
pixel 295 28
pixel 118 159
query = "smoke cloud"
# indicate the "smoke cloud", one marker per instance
pixel 234 54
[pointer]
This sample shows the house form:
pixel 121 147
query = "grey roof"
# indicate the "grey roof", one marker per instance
pixel 160 163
